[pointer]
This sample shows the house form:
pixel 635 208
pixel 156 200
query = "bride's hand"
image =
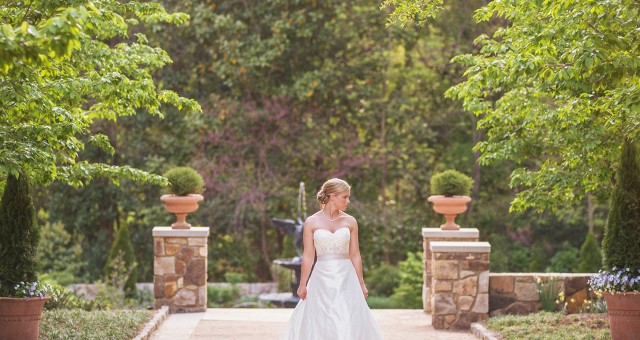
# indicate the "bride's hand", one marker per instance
pixel 302 292
pixel 365 291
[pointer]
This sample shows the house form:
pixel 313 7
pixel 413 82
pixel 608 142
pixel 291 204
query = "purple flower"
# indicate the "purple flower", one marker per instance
pixel 622 280
pixel 31 289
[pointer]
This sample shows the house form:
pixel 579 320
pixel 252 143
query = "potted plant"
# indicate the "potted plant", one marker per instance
pixel 450 194
pixel 185 189
pixel 619 279
pixel 22 296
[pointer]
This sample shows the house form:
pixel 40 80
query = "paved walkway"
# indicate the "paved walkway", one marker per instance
pixel 269 323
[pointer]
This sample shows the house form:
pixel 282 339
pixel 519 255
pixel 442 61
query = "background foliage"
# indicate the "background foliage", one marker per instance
pixel 303 91
pixel 68 71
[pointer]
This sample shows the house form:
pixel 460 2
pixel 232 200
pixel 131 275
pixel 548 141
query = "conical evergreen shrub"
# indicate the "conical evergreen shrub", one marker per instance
pixel 19 235
pixel 590 257
pixel 120 268
pixel 621 242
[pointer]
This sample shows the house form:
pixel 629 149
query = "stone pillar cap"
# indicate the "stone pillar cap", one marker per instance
pixel 460 247
pixel 460 233
pixel 170 232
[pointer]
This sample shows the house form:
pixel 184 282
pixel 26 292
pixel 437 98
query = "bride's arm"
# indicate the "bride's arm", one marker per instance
pixel 356 259
pixel 308 255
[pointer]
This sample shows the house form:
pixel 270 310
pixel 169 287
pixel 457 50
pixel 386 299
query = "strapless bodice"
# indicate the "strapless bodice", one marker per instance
pixel 331 243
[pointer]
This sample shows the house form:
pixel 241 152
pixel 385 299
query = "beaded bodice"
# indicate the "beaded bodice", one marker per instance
pixel 327 242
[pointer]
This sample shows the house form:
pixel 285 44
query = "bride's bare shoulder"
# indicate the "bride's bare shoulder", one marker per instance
pixel 344 214
pixel 312 219
pixel 349 218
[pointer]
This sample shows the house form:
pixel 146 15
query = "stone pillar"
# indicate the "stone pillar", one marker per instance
pixel 436 234
pixel 460 284
pixel 180 268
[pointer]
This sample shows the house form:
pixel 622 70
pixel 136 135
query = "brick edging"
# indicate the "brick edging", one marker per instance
pixel 153 324
pixel 481 332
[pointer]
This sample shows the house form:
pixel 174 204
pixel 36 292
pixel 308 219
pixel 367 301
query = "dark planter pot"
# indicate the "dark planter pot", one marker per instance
pixel 450 207
pixel 20 318
pixel 624 315
pixel 181 206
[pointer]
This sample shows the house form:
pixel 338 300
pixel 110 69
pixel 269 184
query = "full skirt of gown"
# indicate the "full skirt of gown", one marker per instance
pixel 335 308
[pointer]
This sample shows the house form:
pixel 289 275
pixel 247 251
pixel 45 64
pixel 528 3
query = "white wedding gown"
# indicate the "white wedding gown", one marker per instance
pixel 335 308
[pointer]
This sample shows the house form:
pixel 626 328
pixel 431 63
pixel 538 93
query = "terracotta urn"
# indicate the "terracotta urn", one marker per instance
pixel 624 314
pixel 20 317
pixel 450 207
pixel 181 206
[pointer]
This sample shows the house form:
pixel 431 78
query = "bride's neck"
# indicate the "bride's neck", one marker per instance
pixel 331 213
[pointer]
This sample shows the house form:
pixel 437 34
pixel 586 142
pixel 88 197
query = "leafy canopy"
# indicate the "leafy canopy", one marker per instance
pixel 406 11
pixel 65 64
pixel 556 92
pixel 557 86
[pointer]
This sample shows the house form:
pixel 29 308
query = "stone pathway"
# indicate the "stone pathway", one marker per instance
pixel 258 324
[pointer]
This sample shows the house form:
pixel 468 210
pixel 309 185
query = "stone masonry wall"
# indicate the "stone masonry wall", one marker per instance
pixel 436 235
pixel 460 284
pixel 180 268
pixel 517 293
pixel 458 288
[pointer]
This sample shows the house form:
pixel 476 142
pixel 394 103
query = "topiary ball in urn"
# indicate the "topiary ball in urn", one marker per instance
pixel 450 190
pixel 185 189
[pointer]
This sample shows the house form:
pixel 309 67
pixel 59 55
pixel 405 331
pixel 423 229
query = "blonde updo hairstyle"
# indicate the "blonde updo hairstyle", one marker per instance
pixel 332 186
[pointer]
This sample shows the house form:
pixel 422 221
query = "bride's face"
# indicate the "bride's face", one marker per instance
pixel 341 200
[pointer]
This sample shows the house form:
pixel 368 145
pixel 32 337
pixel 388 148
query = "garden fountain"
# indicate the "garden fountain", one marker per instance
pixel 292 229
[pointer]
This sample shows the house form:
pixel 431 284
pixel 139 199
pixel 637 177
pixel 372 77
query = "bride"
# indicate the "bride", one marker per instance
pixel 332 304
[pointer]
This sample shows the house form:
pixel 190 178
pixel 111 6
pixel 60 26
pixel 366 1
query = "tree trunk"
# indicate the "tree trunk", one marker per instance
pixel 590 210
pixel 383 181
pixel 264 249
pixel 475 170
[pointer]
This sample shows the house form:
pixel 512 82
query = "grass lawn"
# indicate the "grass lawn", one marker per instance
pixel 80 324
pixel 545 325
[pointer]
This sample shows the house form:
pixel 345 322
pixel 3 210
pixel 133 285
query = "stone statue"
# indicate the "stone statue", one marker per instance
pixel 293 230
pixel 290 228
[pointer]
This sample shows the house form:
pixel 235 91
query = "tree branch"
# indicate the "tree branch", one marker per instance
pixel 26 12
